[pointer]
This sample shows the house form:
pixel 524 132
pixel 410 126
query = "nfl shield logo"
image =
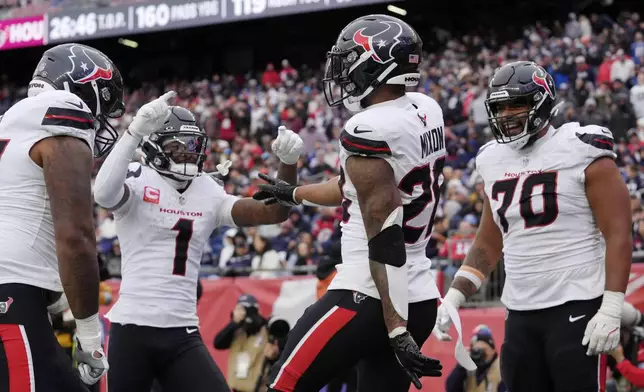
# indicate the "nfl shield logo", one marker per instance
pixel 525 161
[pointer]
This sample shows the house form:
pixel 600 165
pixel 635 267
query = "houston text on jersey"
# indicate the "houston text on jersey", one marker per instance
pixel 179 212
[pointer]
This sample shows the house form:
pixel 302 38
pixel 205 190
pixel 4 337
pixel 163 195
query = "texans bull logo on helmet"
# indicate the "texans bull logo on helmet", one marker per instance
pixel 539 78
pixel 88 65
pixel 379 44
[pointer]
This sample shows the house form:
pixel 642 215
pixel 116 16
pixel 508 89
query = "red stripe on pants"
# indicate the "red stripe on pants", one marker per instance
pixel 603 368
pixel 17 361
pixel 311 347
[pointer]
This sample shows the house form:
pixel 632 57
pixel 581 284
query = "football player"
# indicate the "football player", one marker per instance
pixel 552 194
pixel 48 242
pixel 165 211
pixel 381 305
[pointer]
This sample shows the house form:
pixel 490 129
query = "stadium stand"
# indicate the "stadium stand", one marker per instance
pixel 596 59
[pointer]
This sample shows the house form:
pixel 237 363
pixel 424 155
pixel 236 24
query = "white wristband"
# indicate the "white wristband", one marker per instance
pixel 397 331
pixel 612 303
pixel 89 333
pixel 476 281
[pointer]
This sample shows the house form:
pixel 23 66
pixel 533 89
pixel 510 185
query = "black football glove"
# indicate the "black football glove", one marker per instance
pixel 414 363
pixel 276 191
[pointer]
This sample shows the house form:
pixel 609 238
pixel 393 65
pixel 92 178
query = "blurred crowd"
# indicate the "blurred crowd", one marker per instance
pixel 597 63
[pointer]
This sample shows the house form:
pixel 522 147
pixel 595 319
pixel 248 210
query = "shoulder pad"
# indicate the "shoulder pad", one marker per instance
pixel 216 180
pixel 422 98
pixel 208 179
pixel 64 109
pixel 363 134
pixel 363 140
pixel 219 181
pixel 596 136
pixel 483 147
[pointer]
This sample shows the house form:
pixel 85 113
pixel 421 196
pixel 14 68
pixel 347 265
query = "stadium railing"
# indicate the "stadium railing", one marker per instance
pixel 489 294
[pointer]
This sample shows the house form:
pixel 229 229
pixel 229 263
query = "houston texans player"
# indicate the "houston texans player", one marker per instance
pixel 165 211
pixel 381 305
pixel 47 144
pixel 551 196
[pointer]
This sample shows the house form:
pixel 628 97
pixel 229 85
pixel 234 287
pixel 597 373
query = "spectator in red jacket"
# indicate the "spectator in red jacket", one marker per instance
pixel 270 78
pixel 631 318
pixel 630 372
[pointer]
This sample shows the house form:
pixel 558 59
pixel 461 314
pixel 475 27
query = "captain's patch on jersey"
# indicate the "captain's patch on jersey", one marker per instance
pixel 68 118
pixel 151 195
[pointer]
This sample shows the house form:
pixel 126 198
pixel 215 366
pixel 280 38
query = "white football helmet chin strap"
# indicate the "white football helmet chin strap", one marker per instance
pixel 183 171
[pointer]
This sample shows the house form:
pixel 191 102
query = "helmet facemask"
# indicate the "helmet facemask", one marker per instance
pixel 179 155
pixel 106 135
pixel 338 85
pixel 516 128
pixel 349 78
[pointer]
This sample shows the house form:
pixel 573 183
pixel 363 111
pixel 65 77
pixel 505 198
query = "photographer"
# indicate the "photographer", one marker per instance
pixel 278 330
pixel 247 337
pixel 487 376
pixel 626 355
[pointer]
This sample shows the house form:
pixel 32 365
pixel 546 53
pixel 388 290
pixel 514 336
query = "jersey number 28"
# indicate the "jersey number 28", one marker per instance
pixel 547 181
pixel 425 176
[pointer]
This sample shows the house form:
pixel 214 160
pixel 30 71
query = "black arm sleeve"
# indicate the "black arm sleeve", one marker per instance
pixel 224 338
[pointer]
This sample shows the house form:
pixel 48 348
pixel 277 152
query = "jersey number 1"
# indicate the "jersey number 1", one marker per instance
pixel 548 182
pixel 184 228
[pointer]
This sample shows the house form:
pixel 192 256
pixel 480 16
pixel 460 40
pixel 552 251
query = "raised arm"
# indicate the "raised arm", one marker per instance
pixel 110 190
pixel 251 212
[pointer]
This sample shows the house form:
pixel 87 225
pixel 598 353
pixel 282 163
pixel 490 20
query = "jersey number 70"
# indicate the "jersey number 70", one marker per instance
pixel 546 180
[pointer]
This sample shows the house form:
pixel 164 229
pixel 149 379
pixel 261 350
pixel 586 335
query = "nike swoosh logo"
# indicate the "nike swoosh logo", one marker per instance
pixel 189 330
pixel 604 130
pixel 78 105
pixel 573 319
pixel 356 130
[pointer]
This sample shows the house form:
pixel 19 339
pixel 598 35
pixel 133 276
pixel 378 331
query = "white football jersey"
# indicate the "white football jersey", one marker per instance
pixel 162 234
pixel 407 133
pixel 553 250
pixel 28 253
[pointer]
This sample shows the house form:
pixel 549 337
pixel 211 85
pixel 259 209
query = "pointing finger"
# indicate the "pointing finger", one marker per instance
pixel 168 96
